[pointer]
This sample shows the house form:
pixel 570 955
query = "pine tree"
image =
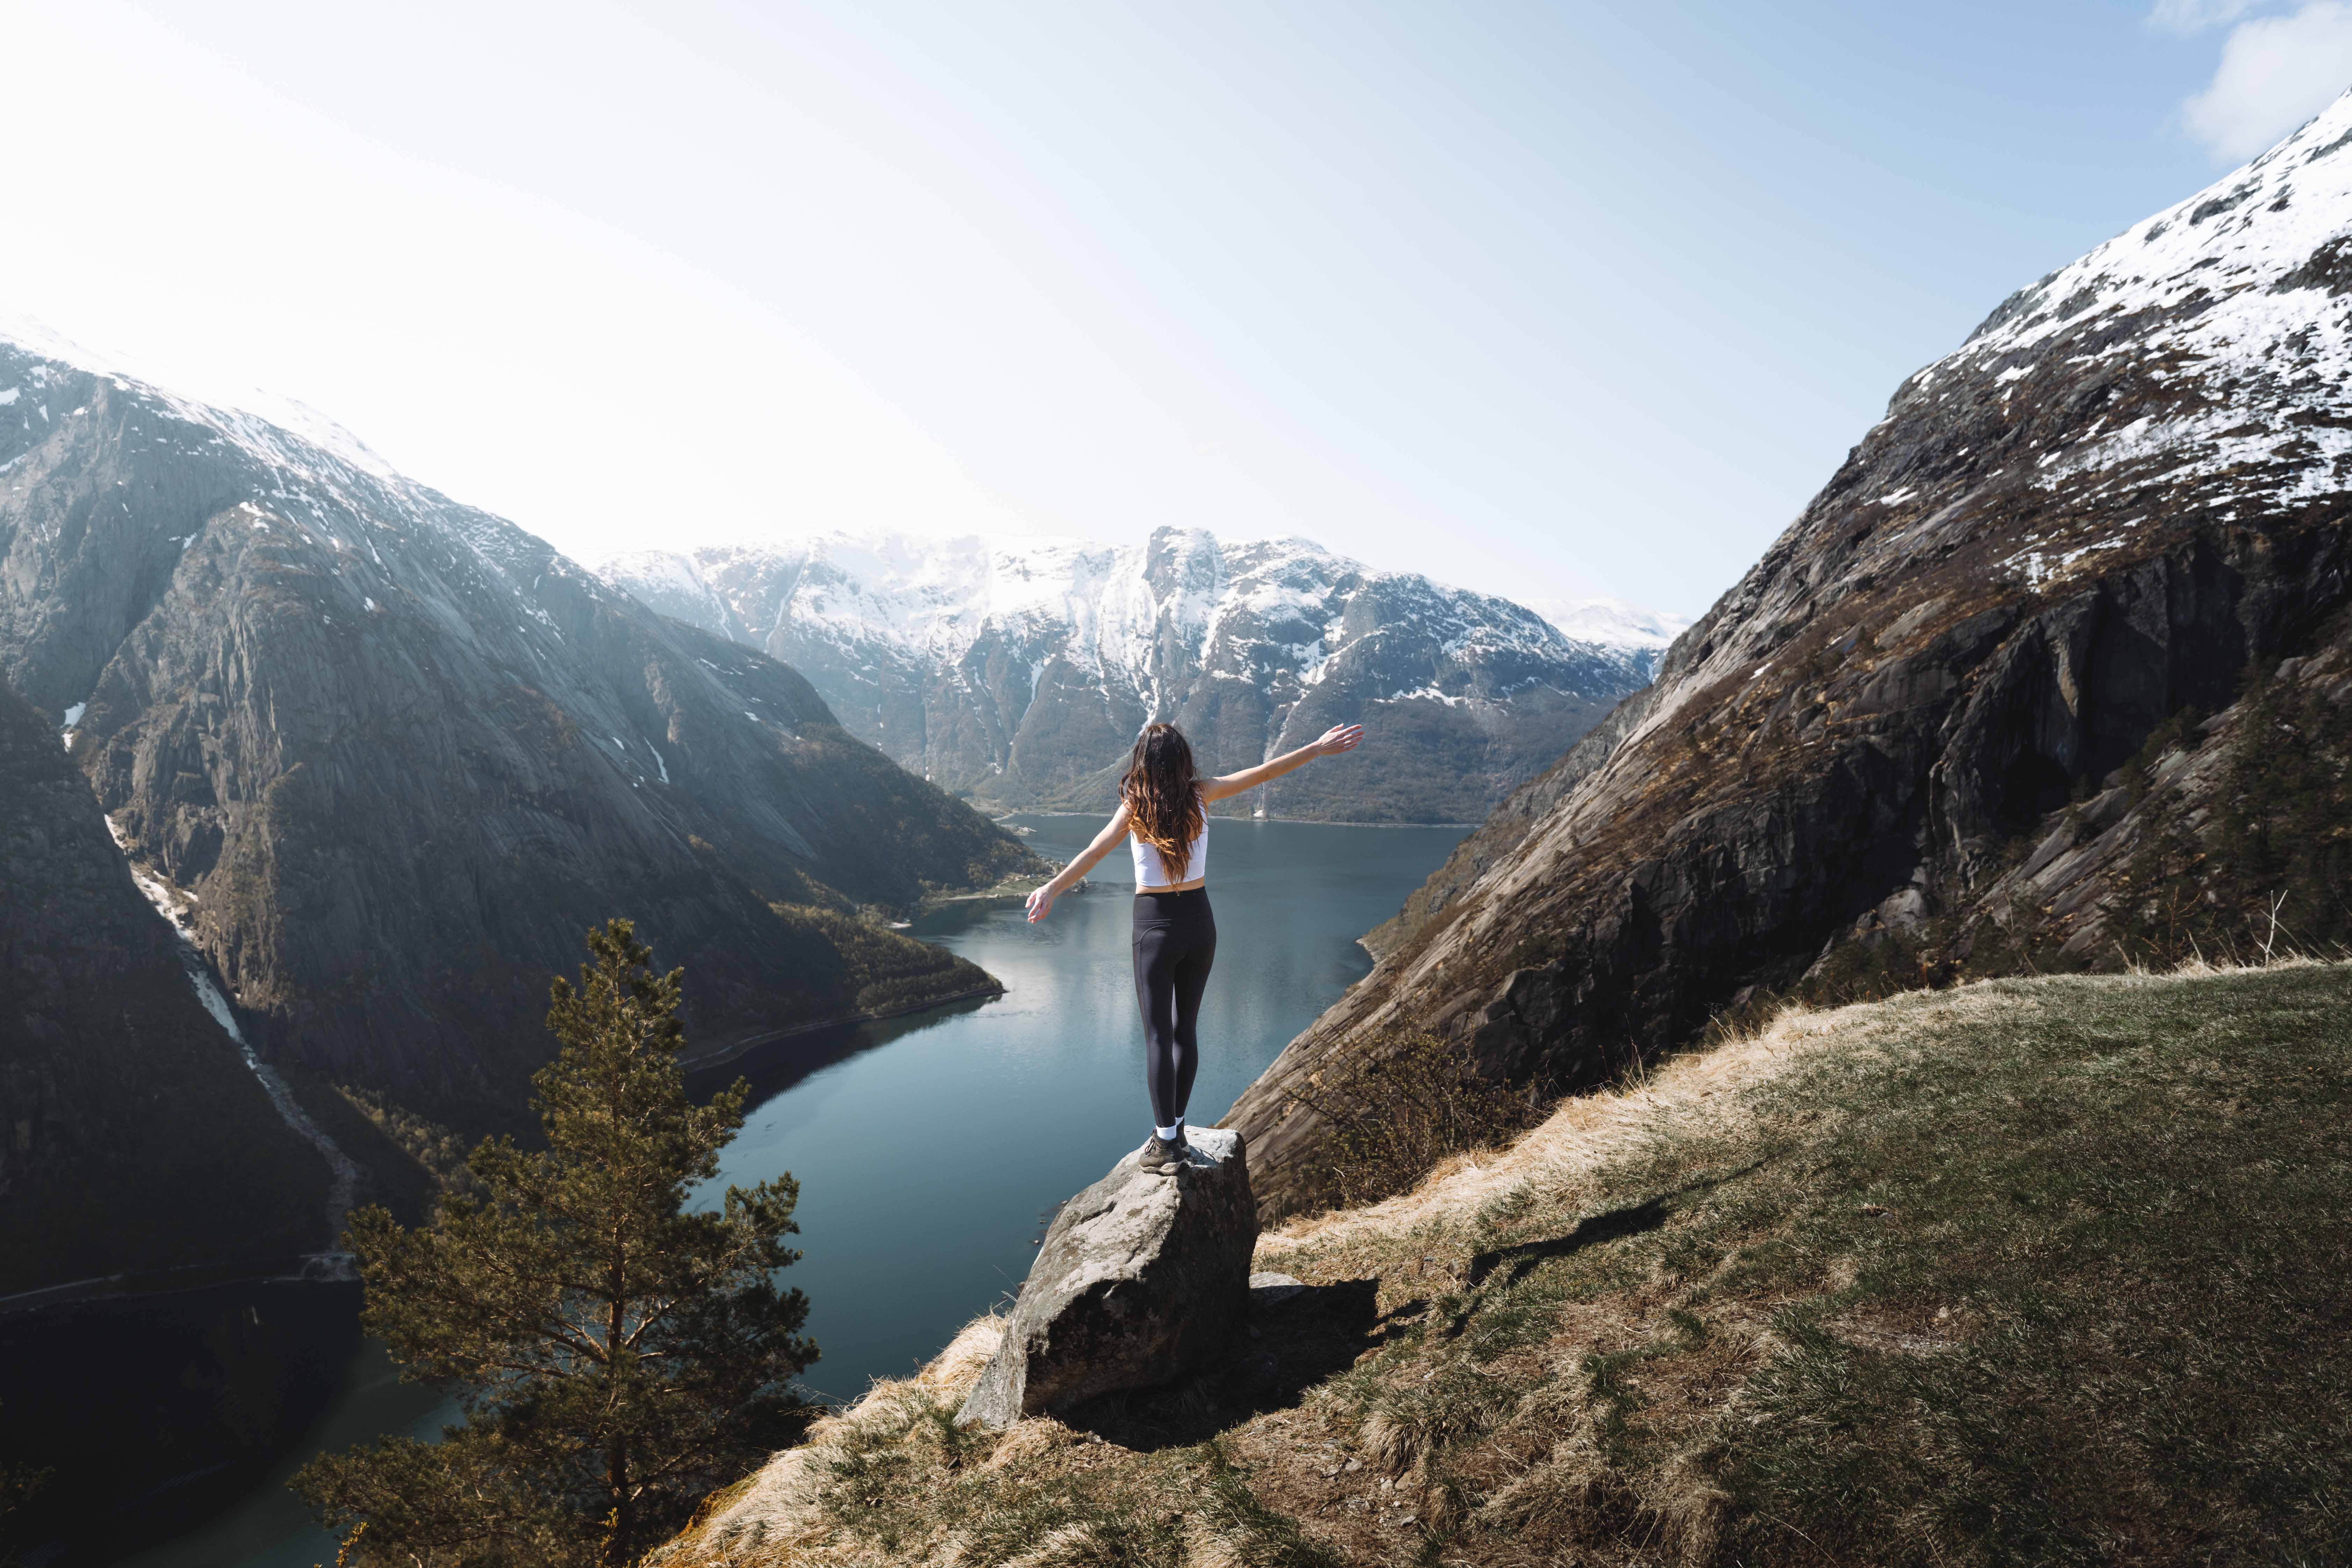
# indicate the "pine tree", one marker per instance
pixel 617 1356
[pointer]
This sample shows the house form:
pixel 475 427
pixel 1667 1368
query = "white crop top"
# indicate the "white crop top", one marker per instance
pixel 1151 873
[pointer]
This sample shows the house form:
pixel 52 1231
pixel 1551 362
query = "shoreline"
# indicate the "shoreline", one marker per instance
pixel 290 1269
pixel 944 900
pixel 333 1268
pixel 721 1056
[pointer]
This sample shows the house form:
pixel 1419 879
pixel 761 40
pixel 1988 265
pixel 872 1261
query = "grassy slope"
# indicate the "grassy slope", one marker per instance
pixel 2032 1271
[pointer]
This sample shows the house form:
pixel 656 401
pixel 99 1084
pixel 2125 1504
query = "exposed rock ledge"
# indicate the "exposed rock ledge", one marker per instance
pixel 1143 1279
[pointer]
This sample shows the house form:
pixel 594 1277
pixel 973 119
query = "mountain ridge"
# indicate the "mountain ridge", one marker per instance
pixel 1016 670
pixel 397 754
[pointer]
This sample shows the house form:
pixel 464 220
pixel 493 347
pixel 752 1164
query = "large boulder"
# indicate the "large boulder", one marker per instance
pixel 1142 1280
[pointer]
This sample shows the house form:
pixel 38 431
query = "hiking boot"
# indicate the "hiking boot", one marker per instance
pixel 1161 1157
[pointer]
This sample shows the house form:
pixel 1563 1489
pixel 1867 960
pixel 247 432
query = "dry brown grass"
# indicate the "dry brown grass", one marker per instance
pixel 1633 1336
pixel 1583 1137
pixel 777 1509
pixel 778 1516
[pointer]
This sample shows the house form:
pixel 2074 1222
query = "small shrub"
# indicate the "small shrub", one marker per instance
pixel 2286 825
pixel 2176 733
pixel 1398 1107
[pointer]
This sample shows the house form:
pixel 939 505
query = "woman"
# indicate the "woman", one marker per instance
pixel 1163 808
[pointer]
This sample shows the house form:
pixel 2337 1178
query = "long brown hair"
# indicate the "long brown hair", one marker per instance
pixel 1163 796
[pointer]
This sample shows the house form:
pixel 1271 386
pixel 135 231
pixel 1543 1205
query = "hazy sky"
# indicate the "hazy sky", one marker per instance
pixel 1549 299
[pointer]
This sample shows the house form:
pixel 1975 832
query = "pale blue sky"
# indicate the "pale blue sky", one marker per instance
pixel 1551 300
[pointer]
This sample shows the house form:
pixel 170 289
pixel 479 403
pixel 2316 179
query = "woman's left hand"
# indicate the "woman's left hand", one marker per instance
pixel 1340 738
pixel 1041 903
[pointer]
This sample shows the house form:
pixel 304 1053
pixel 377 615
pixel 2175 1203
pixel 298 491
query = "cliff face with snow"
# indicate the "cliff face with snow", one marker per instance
pixel 1017 672
pixel 394 755
pixel 2128 482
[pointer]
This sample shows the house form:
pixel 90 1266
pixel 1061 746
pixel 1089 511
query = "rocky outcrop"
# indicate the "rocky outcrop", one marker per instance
pixel 132 1136
pixel 2128 483
pixel 2229 838
pixel 398 753
pixel 1018 670
pixel 1495 838
pixel 1142 1280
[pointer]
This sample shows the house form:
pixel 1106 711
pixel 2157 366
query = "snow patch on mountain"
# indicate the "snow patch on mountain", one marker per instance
pixel 1109 606
pixel 257 420
pixel 325 487
pixel 1013 667
pixel 2240 297
pixel 1613 624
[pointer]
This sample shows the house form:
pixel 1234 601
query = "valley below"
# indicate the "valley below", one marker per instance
pixel 929 1146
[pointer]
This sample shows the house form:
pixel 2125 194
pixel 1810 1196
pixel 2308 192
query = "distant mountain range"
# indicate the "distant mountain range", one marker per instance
pixel 387 757
pixel 1016 672
pixel 1642 635
pixel 2052 673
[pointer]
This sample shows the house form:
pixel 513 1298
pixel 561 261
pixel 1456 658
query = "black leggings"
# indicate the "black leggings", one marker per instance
pixel 1175 942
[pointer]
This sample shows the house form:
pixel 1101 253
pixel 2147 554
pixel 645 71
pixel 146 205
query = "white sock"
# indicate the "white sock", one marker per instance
pixel 1168 1134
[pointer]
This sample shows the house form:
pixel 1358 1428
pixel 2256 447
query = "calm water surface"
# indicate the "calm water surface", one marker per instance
pixel 929 1149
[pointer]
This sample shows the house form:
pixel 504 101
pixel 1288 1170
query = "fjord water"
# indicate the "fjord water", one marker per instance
pixel 928 1160
pixel 929 1149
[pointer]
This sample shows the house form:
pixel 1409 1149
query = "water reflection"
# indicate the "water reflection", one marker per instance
pixel 773 1068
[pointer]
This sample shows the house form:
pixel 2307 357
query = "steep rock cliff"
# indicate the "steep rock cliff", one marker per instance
pixel 1016 671
pixel 2127 484
pixel 132 1136
pixel 402 753
pixel 2228 838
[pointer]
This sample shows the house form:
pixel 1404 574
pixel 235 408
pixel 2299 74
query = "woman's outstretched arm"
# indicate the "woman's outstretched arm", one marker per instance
pixel 1041 902
pixel 1338 738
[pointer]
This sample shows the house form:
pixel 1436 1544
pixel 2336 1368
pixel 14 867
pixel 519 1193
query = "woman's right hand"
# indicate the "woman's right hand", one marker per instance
pixel 1041 903
pixel 1340 738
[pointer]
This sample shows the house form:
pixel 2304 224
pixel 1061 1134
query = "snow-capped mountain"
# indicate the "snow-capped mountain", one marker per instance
pixel 391 756
pixel 2119 501
pixel 1644 636
pixel 1017 670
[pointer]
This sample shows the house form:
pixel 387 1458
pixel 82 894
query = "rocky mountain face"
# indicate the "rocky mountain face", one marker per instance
pixel 2229 838
pixel 395 755
pixel 2083 529
pixel 133 1135
pixel 1016 672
